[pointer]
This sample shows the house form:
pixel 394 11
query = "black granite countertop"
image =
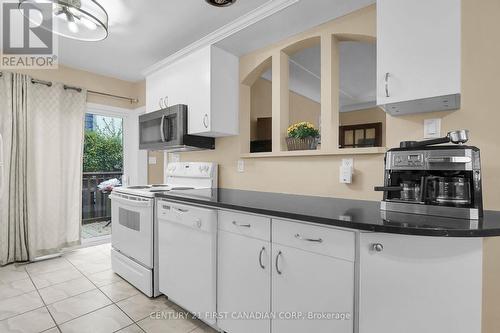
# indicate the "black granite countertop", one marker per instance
pixel 352 214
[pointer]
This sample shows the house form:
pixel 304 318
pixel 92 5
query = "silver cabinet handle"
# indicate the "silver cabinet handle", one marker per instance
pixel 450 159
pixel 377 247
pixel 162 124
pixel 260 258
pixel 387 84
pixel 318 240
pixel 181 210
pixel 242 225
pixel 277 263
pixel 205 120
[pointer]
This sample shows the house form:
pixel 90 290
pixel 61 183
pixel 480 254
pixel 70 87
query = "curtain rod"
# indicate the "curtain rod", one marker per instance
pixel 67 87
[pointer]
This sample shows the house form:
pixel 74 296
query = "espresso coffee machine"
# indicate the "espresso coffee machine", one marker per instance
pixel 433 179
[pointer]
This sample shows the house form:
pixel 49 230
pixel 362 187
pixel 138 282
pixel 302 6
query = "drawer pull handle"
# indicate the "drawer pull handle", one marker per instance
pixel 260 258
pixel 277 263
pixel 319 240
pixel 242 225
pixel 181 210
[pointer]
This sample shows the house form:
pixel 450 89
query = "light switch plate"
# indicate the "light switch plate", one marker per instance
pixel 152 160
pixel 241 166
pixel 432 128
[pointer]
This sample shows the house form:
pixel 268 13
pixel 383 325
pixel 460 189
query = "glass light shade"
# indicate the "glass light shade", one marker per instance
pixel 84 20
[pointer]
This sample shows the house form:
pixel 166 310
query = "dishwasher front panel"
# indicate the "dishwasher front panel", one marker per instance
pixel 187 247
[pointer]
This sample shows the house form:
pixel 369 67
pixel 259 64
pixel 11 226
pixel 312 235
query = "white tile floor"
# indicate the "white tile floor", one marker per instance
pixel 79 293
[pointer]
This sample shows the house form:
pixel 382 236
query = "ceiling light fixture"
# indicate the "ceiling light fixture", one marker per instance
pixel 221 3
pixel 84 20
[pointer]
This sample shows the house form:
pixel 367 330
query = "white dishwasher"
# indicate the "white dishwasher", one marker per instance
pixel 187 254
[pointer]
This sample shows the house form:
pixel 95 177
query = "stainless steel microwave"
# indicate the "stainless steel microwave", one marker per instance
pixel 167 129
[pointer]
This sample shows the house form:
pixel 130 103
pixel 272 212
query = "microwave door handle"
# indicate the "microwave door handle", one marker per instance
pixel 167 133
pixel 162 133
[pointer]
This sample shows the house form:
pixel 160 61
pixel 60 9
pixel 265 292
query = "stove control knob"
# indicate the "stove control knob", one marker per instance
pixel 198 223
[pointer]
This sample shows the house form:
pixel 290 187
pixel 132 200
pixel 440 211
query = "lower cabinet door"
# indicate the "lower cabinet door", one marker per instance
pixel 244 284
pixel 311 292
pixel 417 284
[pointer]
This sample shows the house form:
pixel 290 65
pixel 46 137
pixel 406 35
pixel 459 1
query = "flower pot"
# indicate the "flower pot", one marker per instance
pixel 310 143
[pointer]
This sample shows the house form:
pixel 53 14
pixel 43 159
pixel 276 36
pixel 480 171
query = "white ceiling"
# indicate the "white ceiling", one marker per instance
pixel 142 33
pixel 145 32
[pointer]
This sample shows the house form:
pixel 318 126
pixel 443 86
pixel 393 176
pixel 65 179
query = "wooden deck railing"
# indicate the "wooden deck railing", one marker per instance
pixel 96 205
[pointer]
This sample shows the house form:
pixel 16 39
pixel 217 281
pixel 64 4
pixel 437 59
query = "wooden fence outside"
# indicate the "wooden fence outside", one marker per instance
pixel 96 205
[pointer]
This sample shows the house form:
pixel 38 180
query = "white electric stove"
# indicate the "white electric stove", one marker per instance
pixel 134 254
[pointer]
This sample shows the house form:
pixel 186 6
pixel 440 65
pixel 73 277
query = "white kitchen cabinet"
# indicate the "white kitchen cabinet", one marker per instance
pixel 313 274
pixel 417 284
pixel 418 55
pixel 207 81
pixel 244 283
pixel 307 283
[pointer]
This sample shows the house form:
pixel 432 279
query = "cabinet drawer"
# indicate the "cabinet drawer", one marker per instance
pixel 246 224
pixel 330 242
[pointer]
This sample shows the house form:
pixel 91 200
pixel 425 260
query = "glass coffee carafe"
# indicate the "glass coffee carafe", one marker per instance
pixel 449 191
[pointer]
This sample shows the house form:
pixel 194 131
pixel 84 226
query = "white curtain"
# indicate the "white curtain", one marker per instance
pixel 54 149
pixel 14 228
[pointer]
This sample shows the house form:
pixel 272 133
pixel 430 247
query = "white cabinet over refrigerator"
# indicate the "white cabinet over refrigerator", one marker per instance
pixel 418 55
pixel 207 81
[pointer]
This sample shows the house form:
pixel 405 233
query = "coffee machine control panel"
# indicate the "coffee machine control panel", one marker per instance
pixel 409 160
pixel 454 159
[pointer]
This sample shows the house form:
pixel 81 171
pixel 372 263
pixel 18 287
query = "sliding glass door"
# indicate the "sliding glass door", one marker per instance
pixel 103 163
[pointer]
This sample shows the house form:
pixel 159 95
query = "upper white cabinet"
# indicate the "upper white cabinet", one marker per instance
pixel 207 81
pixel 418 55
pixel 417 284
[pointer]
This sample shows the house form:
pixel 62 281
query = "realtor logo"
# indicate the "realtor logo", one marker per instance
pixel 27 36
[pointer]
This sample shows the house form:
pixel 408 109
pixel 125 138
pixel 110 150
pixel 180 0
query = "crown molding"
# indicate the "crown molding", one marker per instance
pixel 256 15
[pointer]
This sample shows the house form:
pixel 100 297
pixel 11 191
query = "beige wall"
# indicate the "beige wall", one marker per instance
pixel 373 115
pixel 155 171
pixel 96 82
pixel 301 108
pixel 302 175
pixel 261 104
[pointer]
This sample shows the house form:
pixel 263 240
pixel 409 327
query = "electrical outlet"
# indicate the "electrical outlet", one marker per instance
pixel 241 166
pixel 174 158
pixel 152 160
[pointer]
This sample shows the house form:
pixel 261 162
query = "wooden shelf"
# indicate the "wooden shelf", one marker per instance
pixel 345 151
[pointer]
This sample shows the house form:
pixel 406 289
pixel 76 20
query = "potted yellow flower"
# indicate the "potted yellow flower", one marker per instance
pixel 302 136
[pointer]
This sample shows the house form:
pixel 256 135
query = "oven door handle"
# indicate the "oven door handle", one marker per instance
pixel 450 159
pixel 135 203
